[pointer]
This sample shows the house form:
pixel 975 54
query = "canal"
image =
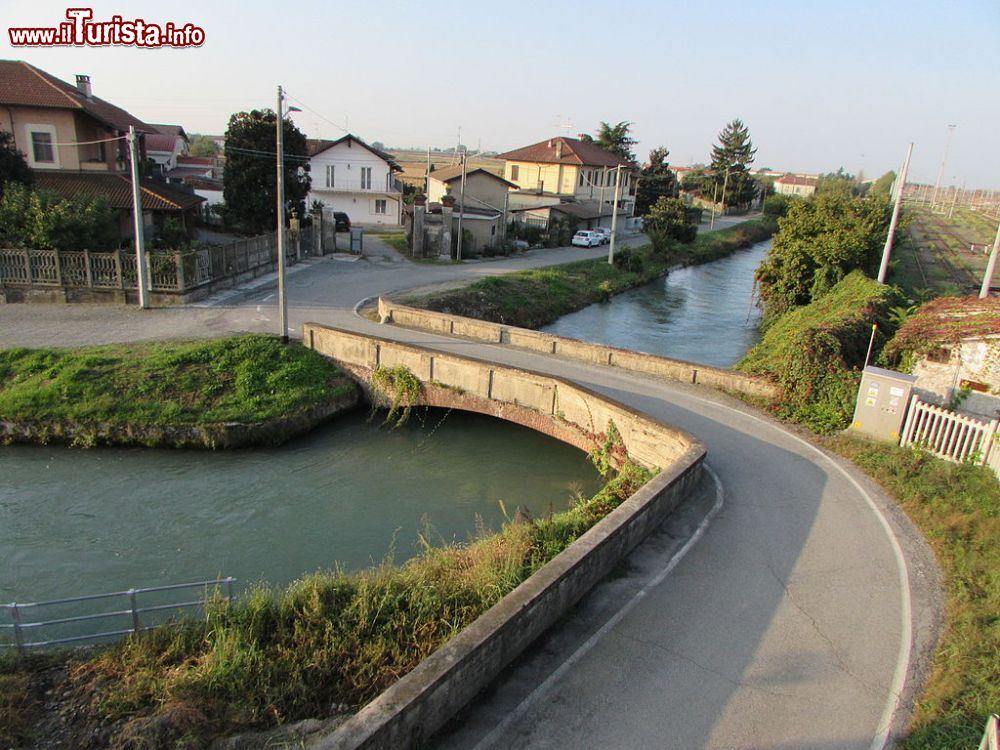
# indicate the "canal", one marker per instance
pixel 703 314
pixel 76 522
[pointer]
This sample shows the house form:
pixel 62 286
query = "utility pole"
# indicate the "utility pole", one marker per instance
pixel 715 197
pixel 140 251
pixel 427 181
pixel 461 207
pixel 887 250
pixel 954 200
pixel 944 159
pixel 725 185
pixel 614 214
pixel 282 301
pixel 984 290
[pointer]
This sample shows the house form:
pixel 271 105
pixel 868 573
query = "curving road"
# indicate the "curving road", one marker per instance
pixel 790 605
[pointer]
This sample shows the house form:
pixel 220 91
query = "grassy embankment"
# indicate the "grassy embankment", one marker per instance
pixel 814 352
pixel 244 379
pixel 533 298
pixel 325 645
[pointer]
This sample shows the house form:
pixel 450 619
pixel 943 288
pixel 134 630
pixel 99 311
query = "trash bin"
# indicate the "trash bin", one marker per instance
pixel 357 240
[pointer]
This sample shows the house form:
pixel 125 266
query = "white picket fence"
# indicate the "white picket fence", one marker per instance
pixel 951 436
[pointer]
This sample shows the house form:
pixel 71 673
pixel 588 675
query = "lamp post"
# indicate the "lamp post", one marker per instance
pixel 282 299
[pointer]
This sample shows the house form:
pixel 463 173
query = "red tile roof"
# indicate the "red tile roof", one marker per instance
pixel 116 189
pixel 791 179
pixel 25 85
pixel 160 142
pixel 573 151
pixel 448 174
pixel 195 161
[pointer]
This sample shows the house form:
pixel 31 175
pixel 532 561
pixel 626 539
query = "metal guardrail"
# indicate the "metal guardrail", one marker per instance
pixel 21 630
pixel 991 737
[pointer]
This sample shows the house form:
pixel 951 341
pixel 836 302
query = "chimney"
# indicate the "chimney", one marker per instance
pixel 559 145
pixel 83 84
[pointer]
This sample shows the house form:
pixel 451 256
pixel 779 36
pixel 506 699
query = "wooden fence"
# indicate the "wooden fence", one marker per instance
pixel 951 436
pixel 169 270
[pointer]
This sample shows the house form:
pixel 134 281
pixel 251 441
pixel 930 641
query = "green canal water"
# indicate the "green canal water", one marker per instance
pixel 75 522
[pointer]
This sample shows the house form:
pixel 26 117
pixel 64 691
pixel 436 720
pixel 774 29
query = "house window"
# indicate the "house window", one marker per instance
pixel 514 172
pixel 380 206
pixel 330 173
pixel 41 147
pixel 581 178
pixel 366 178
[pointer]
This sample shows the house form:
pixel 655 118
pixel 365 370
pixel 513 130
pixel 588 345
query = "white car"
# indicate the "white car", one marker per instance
pixel 586 238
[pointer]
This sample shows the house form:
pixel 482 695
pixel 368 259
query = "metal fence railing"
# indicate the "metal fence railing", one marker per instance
pixel 73 626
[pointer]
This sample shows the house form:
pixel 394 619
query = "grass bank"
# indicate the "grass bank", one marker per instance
pixel 533 298
pixel 957 507
pixel 242 379
pixel 324 646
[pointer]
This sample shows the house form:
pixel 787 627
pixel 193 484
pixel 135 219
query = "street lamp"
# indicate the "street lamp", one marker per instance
pixel 282 299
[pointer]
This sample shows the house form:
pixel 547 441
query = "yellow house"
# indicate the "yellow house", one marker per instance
pixel 568 170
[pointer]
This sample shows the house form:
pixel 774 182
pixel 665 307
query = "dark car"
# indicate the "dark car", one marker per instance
pixel 342 220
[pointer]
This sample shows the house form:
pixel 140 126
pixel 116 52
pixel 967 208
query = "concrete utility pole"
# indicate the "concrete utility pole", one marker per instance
pixel 900 185
pixel 427 185
pixel 944 159
pixel 282 301
pixel 614 214
pixel 461 207
pixel 725 184
pixel 715 197
pixel 140 252
pixel 984 290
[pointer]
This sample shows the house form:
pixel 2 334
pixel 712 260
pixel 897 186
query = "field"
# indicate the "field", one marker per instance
pixel 946 256
pixel 414 163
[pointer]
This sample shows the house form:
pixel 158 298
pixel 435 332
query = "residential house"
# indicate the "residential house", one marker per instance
pixel 349 175
pixel 792 184
pixel 166 145
pixel 486 198
pixel 569 170
pixel 74 143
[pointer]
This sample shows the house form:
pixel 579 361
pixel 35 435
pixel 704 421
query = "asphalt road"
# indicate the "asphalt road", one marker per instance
pixel 789 605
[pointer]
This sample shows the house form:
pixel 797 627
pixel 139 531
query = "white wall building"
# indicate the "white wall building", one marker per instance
pixel 349 175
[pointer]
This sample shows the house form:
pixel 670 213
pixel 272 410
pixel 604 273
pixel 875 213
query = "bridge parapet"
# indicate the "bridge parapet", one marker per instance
pixel 580 351
pixel 421 702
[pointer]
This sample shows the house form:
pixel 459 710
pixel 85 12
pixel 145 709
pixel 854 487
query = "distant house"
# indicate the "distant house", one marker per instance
pixel 349 175
pixel 569 170
pixel 166 145
pixel 74 143
pixel 954 346
pixel 486 200
pixel 791 184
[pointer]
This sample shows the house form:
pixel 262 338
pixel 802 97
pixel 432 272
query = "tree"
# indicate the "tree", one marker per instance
pixel 47 221
pixel 13 167
pixel 202 145
pixel 732 156
pixel 669 222
pixel 656 180
pixel 883 185
pixel 250 183
pixel 616 139
pixel 819 241
pixel 840 182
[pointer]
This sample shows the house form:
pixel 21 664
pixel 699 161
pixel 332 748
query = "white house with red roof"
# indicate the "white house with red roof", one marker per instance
pixel 793 184
pixel 350 176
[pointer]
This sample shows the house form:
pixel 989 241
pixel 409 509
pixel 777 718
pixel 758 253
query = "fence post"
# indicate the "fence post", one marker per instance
pixel 179 263
pixel 27 265
pixel 58 267
pixel 86 268
pixel 910 415
pixel 15 615
pixel 988 442
pixel 135 612
pixel 118 269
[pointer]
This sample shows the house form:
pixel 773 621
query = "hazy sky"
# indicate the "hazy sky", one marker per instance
pixel 819 85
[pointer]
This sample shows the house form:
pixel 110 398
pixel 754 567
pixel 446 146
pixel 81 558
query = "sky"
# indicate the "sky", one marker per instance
pixel 820 85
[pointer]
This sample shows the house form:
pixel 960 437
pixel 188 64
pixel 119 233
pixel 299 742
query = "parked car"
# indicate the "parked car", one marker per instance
pixel 342 221
pixel 605 234
pixel 586 238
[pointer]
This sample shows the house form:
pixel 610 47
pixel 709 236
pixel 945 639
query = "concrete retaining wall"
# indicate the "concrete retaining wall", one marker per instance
pixel 581 351
pixel 420 703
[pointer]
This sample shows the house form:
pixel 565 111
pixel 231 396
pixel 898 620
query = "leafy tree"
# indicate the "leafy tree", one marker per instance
pixel 732 156
pixel 13 167
pixel 616 139
pixel 47 221
pixel 669 222
pixel 819 241
pixel 202 145
pixel 883 185
pixel 250 184
pixel 839 182
pixel 656 180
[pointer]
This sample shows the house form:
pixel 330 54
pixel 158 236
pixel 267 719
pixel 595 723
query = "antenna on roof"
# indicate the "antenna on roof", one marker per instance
pixel 565 125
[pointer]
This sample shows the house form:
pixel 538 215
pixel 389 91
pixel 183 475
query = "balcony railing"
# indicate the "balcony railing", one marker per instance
pixel 357 186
